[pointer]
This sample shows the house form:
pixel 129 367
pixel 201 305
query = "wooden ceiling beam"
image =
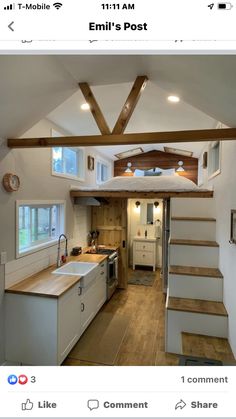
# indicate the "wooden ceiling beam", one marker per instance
pixel 124 139
pixel 95 109
pixel 139 194
pixel 130 104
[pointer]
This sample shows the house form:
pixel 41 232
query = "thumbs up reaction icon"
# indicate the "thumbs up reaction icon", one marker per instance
pixel 28 405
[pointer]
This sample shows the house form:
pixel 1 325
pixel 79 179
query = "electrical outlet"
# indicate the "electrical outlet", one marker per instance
pixel 3 258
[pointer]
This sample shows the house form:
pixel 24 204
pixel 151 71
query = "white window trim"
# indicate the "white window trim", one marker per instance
pixel 45 244
pixel 108 164
pixel 66 176
pixel 201 170
pixel 218 171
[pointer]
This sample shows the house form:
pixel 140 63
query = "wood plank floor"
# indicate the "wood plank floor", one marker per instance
pixel 144 341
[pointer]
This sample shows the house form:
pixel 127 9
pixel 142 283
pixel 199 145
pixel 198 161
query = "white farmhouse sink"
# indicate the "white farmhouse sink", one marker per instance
pixel 76 268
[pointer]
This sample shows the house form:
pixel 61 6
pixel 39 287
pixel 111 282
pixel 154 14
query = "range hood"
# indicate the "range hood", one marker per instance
pixel 90 201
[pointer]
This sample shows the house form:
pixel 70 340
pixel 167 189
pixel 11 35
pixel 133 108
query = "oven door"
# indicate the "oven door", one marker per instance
pixel 111 287
pixel 112 280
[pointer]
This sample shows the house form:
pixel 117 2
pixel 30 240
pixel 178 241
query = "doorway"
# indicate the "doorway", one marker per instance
pixel 144 240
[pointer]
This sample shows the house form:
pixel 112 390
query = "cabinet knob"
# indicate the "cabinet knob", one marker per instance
pixel 144 256
pixel 79 291
pixel 82 307
pixel 102 273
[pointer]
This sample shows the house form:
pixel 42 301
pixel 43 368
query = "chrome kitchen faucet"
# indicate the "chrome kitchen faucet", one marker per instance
pixel 59 262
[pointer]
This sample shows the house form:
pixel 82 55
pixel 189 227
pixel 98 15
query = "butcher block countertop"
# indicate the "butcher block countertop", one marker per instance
pixel 46 284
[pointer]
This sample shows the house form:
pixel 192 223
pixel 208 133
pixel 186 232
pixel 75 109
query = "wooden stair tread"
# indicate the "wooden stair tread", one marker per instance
pixel 193 219
pixel 185 242
pixel 207 347
pixel 197 306
pixel 195 271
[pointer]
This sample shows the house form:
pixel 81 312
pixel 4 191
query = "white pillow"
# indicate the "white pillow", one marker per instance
pixel 138 172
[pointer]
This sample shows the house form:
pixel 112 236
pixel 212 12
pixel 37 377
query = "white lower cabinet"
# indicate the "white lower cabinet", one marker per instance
pixel 88 307
pixel 42 330
pixel 69 321
pixel 93 297
pixel 144 252
pixel 101 286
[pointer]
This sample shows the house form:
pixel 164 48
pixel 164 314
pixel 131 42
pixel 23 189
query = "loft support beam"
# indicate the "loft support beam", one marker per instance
pixel 130 104
pixel 95 109
pixel 124 139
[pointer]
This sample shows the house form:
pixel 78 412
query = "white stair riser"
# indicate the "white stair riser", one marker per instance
pixel 197 230
pixel 195 207
pixel 204 256
pixel 202 324
pixel 197 287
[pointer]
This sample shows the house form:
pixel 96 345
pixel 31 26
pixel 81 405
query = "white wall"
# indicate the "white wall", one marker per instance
pixel 225 198
pixel 1 314
pixel 135 225
pixel 33 166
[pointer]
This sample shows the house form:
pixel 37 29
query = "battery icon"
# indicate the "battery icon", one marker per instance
pixel 225 6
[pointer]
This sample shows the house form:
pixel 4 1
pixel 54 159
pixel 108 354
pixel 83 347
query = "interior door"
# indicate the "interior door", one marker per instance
pixel 110 220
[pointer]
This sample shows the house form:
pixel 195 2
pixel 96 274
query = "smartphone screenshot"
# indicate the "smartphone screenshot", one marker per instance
pixel 117 209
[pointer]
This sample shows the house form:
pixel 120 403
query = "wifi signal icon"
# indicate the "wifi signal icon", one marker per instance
pixel 57 5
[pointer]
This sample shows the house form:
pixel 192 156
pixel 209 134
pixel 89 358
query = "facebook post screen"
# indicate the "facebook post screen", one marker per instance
pixel 117 209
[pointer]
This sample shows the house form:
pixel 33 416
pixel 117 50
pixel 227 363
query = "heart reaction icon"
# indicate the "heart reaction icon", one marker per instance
pixel 22 379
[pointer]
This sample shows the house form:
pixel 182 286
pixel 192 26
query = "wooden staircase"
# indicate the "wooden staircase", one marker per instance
pixel 207 347
pixel 195 289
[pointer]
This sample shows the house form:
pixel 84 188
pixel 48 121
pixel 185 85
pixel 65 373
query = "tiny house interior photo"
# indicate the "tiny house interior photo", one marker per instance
pixel 117 204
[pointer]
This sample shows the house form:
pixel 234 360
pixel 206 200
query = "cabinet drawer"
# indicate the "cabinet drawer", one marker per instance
pixel 146 258
pixel 147 247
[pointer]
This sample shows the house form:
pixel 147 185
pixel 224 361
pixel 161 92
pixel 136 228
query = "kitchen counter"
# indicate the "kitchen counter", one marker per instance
pixel 46 284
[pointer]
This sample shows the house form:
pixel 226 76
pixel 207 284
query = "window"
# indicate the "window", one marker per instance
pixel 68 162
pixel 200 171
pixel 38 225
pixel 214 159
pixel 103 171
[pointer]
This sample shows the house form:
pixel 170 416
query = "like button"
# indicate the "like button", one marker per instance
pixel 28 405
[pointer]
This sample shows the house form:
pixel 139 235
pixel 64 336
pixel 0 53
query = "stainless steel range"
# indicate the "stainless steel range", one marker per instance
pixel 112 269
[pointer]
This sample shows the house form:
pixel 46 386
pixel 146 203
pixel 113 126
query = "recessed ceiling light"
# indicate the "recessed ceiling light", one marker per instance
pixel 85 107
pixel 173 99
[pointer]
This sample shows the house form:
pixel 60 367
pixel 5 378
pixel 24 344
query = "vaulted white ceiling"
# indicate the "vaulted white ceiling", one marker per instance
pixel 34 87
pixel 152 113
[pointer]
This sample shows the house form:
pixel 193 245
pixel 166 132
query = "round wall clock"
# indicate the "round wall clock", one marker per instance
pixel 11 183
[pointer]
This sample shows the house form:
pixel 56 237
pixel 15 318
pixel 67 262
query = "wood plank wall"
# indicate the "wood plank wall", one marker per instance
pixel 158 159
pixel 111 221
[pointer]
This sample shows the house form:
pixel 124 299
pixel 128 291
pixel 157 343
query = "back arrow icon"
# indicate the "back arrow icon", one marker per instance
pixel 10 26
